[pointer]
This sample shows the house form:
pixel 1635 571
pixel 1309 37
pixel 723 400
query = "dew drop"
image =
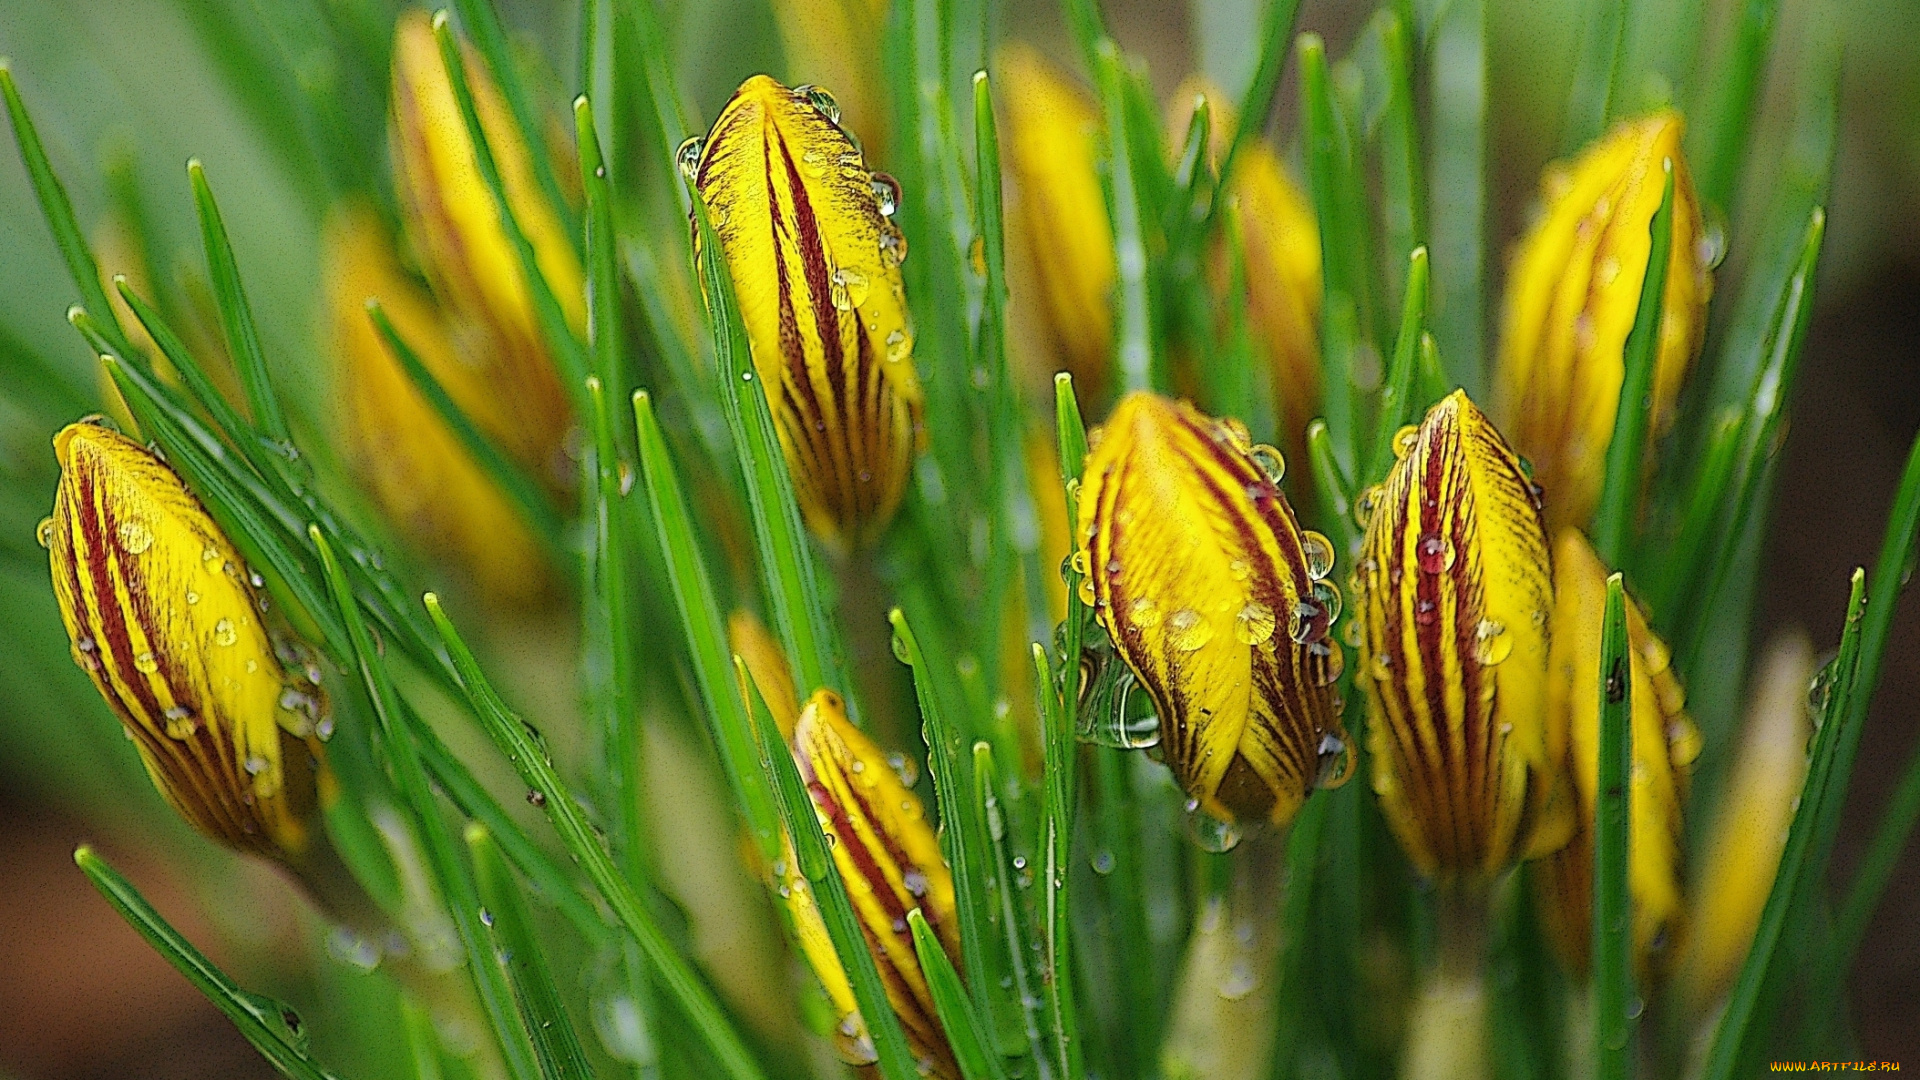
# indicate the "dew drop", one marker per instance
pixel 820 99
pixel 1381 666
pixel 1491 641
pixel 1365 504
pixel 1318 551
pixel 135 537
pixel 886 193
pixel 44 532
pixel 848 289
pixel 905 769
pixel 1326 661
pixel 536 798
pixel 1143 613
pixel 145 663
pixel 1081 563
pixel 1188 630
pixel 898 345
pixel 1085 592
pixel 1405 440
pixel 1102 861
pixel 1426 612
pixel 181 722
pixel 1334 760
pixel 900 651
pixel 688 157
pixel 224 633
pixel 1254 624
pixel 255 764
pixel 1271 462
pixel 1434 553
pixel 192 597
pixel 1210 833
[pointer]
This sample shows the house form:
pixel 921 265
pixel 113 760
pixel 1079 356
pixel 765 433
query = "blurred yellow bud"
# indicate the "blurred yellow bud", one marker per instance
pixel 164 620
pixel 808 235
pixel 1665 744
pixel 1572 290
pixel 1060 256
pixel 1455 589
pixel 1220 604
pixel 409 460
pixel 837 43
pixel 1749 830
pixel 890 859
pixel 1280 238
pixel 453 222
pixel 750 640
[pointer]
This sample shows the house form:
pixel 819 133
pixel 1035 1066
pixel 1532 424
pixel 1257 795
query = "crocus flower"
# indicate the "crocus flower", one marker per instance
pixel 1749 829
pixel 1455 590
pixel 887 854
pixel 1061 264
pixel 1572 291
pixel 409 460
pixel 165 620
pixel 1665 744
pixel 1220 604
pixel 815 257
pixel 454 223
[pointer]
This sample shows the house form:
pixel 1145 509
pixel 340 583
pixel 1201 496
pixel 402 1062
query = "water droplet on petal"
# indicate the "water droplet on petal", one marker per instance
pixel 1143 613
pixel 224 633
pixel 1335 762
pixel 1491 641
pixel 1254 623
pixel 135 537
pixel 1211 833
pixel 688 157
pixel 1434 553
pixel 1365 504
pixel 44 532
pixel 1271 462
pixel 1405 440
pixel 1318 551
pixel 904 768
pixel 820 99
pixel 181 722
pixel 886 193
pixel 1326 661
pixel 145 663
pixel 1188 630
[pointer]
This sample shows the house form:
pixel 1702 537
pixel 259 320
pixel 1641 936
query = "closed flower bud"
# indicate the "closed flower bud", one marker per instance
pixel 409 460
pixel 1280 239
pixel 1220 604
pixel 750 640
pixel 1572 291
pixel 1749 829
pixel 808 235
pixel 1061 265
pixel 889 858
pixel 1665 744
pixel 165 622
pixel 455 225
pixel 1455 588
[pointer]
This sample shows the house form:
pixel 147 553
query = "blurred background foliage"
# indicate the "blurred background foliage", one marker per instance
pixel 125 91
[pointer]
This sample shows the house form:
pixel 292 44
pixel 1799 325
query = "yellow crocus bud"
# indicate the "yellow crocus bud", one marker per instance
pixel 837 43
pixel 409 460
pixel 1220 604
pixel 164 620
pixel 1749 830
pixel 809 237
pixel 890 859
pixel 1665 744
pixel 1455 589
pixel 1061 266
pixel 1280 239
pixel 454 223
pixel 1572 290
pixel 750 640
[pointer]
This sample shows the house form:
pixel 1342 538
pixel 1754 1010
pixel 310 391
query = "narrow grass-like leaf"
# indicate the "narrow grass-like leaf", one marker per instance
pixel 482 25
pixel 236 315
pixel 1729 96
pixel 1802 862
pixel 535 508
pixel 1297 1000
pixel 1456 47
pixel 802 821
pixel 1346 319
pixel 1071 433
pixel 964 1033
pixel 602 269
pixel 1276 30
pixel 1892 570
pixel 1681 561
pixel 1400 402
pixel 964 836
pixel 1137 361
pixel 546 789
pixel 1613 521
pixel 1403 183
pixel 786 561
pixel 205 394
pixel 561 343
pixel 1612 907
pixel 450 875
pixel 1331 484
pixel 1002 891
pixel 706 633
pixel 274 1029
pixel 1122 892
pixel 1060 762
pixel 519 951
pixel 1595 75
pixel 58 211
pixel 423 1042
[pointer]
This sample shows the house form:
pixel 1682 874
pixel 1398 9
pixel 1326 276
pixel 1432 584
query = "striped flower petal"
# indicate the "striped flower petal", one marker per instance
pixel 405 455
pixel 1219 603
pixel 815 258
pixel 889 858
pixel 1665 744
pixel 1455 590
pixel 454 224
pixel 163 619
pixel 1571 296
